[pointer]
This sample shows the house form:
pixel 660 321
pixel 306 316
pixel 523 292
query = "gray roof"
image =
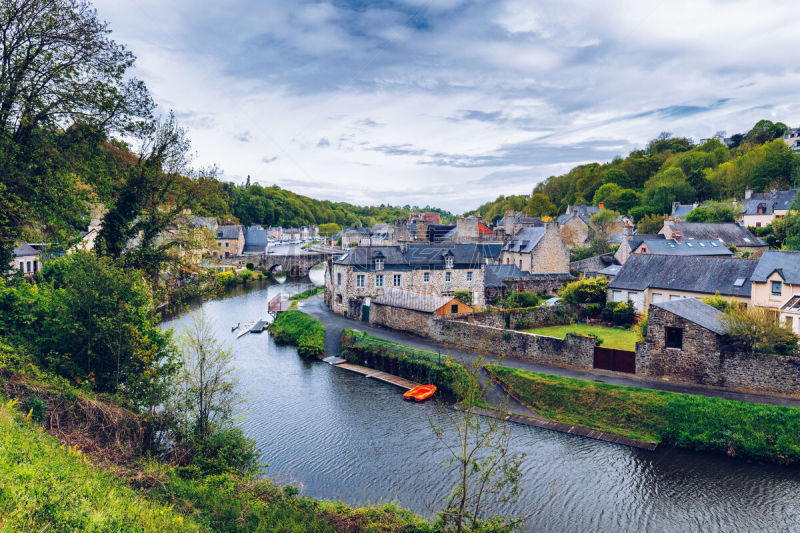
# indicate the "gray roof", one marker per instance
pixel 696 311
pixel 681 210
pixel 729 276
pixel 730 233
pixel 584 212
pixel 593 264
pixel 415 256
pixel 491 249
pixel 636 240
pixel 788 263
pixel 24 250
pixel 255 240
pixel 769 202
pixel 685 247
pixel 611 270
pixel 415 301
pixel 228 232
pixel 525 240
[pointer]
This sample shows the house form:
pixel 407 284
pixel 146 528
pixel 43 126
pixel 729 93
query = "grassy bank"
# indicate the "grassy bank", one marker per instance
pixel 739 429
pixel 308 293
pixel 301 330
pixel 616 338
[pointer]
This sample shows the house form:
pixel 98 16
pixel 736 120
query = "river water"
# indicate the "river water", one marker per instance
pixel 337 435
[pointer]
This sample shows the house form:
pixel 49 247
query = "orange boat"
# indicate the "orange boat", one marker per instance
pixel 423 392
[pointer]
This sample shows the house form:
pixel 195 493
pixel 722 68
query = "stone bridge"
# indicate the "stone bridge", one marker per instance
pixel 295 265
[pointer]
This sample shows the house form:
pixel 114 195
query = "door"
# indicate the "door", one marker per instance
pixel 615 360
pixel 365 313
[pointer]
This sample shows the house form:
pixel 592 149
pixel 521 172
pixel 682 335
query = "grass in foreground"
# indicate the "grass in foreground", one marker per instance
pixel 616 338
pixel 741 429
pixel 301 330
pixel 44 486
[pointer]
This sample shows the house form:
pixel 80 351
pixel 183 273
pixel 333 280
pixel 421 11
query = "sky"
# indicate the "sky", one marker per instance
pixel 451 103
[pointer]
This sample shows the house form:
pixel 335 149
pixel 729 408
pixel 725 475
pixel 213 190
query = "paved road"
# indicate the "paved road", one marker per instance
pixel 334 324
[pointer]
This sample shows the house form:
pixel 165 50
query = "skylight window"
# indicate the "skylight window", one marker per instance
pixel 739 282
pixel 701 244
pixel 714 244
pixel 689 244
pixel 746 239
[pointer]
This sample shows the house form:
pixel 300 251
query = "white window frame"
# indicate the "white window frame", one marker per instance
pixel 379 280
pixel 379 264
pixel 361 281
pixel 448 262
pixel 397 280
pixel 447 277
pixel 426 277
pixel 469 276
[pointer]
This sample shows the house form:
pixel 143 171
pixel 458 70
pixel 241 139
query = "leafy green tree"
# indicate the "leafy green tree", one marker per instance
pixel 602 193
pixel 540 206
pixel 328 229
pixel 650 224
pixel 623 201
pixel 619 177
pixel 764 131
pixel 603 223
pixel 755 330
pixel 585 291
pixel 717 212
pixel 463 296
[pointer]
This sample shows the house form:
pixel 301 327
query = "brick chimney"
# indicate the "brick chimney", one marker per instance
pixel 677 237
pixel 748 192
pixel 600 205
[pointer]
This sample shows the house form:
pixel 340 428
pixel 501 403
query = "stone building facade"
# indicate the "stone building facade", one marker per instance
pixel 537 249
pixel 365 273
pixel 230 241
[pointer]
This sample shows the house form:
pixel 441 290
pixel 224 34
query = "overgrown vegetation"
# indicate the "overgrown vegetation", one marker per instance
pixel 308 293
pixel 755 330
pixel 738 429
pixel 301 330
pixel 585 291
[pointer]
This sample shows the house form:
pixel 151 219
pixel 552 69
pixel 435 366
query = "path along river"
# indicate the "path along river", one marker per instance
pixel 341 436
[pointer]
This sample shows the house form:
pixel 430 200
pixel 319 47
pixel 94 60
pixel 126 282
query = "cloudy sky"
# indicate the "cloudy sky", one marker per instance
pixel 452 102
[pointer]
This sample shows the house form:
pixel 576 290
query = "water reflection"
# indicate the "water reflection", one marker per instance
pixel 341 436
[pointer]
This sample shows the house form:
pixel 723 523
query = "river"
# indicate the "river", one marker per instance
pixel 337 435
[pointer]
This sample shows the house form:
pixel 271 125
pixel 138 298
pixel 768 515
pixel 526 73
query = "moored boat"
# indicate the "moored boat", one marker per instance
pixel 420 393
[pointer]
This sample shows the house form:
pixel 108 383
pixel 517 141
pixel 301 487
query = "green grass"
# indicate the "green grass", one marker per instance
pixel 741 429
pixel 45 487
pixel 616 338
pixel 306 294
pixel 396 348
pixel 301 330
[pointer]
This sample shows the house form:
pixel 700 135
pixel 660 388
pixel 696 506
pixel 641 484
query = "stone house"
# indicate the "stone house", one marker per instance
pixel 364 273
pixel 776 279
pixel 683 336
pixel 680 246
pixel 513 221
pixel 575 226
pixel 27 259
pixel 760 209
pixel 537 249
pixel 630 242
pixel 412 311
pixel 591 266
pixel 729 233
pixel 501 280
pixel 470 229
pixel 230 241
pixel 647 279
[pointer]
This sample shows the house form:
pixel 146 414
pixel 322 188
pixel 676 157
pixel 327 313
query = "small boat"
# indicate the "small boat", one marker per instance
pixel 423 392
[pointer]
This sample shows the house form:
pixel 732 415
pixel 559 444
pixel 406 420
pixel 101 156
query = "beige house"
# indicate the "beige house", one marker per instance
pixel 761 209
pixel 537 249
pixel 776 279
pixel 27 260
pixel 230 241
pixel 645 279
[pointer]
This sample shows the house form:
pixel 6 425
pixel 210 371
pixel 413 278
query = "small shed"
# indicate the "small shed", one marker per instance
pixel 412 311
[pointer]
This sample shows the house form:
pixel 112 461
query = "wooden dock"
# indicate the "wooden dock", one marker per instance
pixel 377 374
pixel 253 327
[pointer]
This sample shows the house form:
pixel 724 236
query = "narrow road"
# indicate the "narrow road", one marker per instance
pixel 334 324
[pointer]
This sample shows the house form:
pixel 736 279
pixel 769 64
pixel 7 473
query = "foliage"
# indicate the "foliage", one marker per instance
pixel 593 309
pixel 624 314
pixel 739 429
pixel 715 212
pixel 650 224
pixel 755 330
pixel 617 338
pixel 608 311
pixel 301 330
pixel 718 302
pixel 520 299
pixel 464 297
pixel 308 293
pixel 585 291
pixel 487 471
pixel 643 328
pixel 328 229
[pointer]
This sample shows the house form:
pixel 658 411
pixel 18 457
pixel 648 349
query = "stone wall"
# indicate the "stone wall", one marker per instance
pixel 703 360
pixel 523 318
pixel 574 351
pixel 401 319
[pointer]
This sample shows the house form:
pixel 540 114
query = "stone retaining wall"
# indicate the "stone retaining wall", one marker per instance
pixel 525 318
pixel 575 351
pixel 414 322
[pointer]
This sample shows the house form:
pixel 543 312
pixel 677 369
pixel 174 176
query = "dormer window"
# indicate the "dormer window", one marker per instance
pixel 448 262
pixel 379 264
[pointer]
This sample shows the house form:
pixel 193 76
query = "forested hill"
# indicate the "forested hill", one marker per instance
pixel 670 169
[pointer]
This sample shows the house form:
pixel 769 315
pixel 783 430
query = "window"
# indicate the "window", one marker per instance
pixel 396 279
pixel 448 261
pixel 338 298
pixel 469 276
pixel 447 277
pixel 777 288
pixel 339 278
pixel 379 264
pixel 379 280
pixel 657 297
pixel 21 266
pixel 673 297
pixel 616 296
pixel 29 266
pixel 360 280
pixel 673 337
pixel 227 245
pixel 454 308
pixel 426 277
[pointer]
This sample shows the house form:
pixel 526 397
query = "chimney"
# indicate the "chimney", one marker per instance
pixel 600 205
pixel 748 192
pixel 677 237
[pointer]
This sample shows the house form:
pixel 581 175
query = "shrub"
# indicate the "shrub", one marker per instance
pixel 755 330
pixel 226 450
pixel 463 297
pixel 246 275
pixel 301 330
pixel 521 299
pixel 643 328
pixel 585 291
pixel 624 314
pixel 594 310
pixel 718 302
pixel 608 311
pixel 250 266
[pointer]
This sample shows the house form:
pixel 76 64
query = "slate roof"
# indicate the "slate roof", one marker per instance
pixel 685 247
pixel 525 240
pixel 779 200
pixel 24 250
pixel 228 232
pixel 696 311
pixel 415 301
pixel 787 262
pixel 416 256
pixel 593 264
pixel 438 232
pixel 730 233
pixel 255 240
pixel 490 250
pixel 507 271
pixel 681 210
pixel 611 270
pixel 729 276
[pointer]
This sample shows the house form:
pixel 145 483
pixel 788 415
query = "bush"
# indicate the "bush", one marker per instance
pixel 755 330
pixel 521 299
pixel 585 291
pixel 643 328
pixel 301 330
pixel 718 302
pixel 250 266
pixel 463 296
pixel 246 275
pixel 624 314
pixel 226 450
pixel 608 311
pixel 593 310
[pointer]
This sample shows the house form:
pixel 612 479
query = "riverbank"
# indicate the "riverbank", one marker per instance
pixel 699 423
pixel 300 330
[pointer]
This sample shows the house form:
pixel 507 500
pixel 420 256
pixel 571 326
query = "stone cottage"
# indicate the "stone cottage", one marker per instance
pixel 412 311
pixel 365 273
pixel 537 249
pixel 27 259
pixel 230 241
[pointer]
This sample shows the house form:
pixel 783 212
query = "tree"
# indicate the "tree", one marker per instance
pixel 328 229
pixel 487 471
pixel 755 330
pixel 603 222
pixel 540 206
pixel 206 385
pixel 619 177
pixel 604 191
pixel 717 212
pixel 585 291
pixel 650 224
pixel 463 297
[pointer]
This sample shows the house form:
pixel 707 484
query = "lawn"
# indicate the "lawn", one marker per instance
pixel 616 338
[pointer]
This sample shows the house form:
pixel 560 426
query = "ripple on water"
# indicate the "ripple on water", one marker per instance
pixel 341 436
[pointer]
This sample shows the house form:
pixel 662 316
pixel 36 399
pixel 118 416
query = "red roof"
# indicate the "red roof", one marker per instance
pixel 483 230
